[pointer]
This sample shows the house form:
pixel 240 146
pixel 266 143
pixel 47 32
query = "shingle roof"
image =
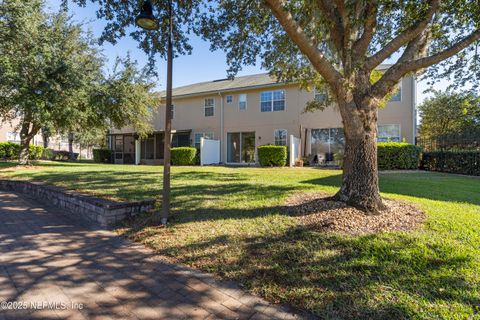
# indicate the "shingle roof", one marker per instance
pixel 238 83
pixel 223 85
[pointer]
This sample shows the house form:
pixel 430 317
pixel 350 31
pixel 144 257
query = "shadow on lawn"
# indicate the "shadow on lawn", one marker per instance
pixel 433 186
pixel 338 277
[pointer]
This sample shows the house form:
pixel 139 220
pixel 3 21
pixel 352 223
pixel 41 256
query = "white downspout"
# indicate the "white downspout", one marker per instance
pixel 221 127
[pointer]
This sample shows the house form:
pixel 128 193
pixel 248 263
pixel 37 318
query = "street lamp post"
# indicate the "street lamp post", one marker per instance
pixel 147 21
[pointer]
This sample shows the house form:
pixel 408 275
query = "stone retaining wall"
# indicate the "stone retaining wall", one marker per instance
pixel 101 211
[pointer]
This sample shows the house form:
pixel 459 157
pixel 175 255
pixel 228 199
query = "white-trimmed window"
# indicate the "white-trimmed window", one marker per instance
pixel 280 136
pixel 209 107
pixel 199 135
pixel 320 95
pixel 229 99
pixel 172 111
pixel 388 132
pixel 398 94
pixel 242 102
pixel 272 101
pixel 13 137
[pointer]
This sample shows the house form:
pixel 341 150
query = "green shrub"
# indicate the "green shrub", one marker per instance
pixel 102 155
pixel 47 154
pixel 183 156
pixel 61 155
pixel 271 155
pixel 461 162
pixel 398 155
pixel 196 161
pixel 9 150
pixel 35 152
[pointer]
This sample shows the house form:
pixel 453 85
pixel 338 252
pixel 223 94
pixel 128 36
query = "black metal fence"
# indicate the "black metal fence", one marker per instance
pixel 451 153
pixel 464 142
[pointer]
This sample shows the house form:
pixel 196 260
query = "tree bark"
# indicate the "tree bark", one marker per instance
pixel 46 138
pixel 70 146
pixel 360 186
pixel 25 138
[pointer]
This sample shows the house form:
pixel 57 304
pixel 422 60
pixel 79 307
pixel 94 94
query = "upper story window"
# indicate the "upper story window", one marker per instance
pixel 272 101
pixel 209 107
pixel 280 136
pixel 388 132
pixel 398 95
pixel 229 99
pixel 242 102
pixel 320 95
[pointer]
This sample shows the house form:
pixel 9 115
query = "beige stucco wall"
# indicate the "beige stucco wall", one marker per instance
pixel 189 115
pixel 55 143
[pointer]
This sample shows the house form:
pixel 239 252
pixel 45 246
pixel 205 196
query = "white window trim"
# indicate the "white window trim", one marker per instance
pixel 226 99
pixel 391 124
pixel 246 102
pixel 272 110
pixel 286 136
pixel 401 93
pixel 205 107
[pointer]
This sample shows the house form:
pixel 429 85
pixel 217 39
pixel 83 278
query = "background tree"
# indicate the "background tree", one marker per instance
pixel 46 68
pixel 337 44
pixel 448 113
pixel 121 98
pixel 51 76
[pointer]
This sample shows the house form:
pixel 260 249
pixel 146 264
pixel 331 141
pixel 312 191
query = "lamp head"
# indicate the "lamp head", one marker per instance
pixel 146 20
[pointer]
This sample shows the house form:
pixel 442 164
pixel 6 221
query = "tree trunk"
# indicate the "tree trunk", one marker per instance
pixel 25 138
pixel 360 187
pixel 46 138
pixel 70 146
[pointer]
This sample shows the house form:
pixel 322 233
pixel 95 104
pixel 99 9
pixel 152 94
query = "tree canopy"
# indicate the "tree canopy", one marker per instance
pixel 450 113
pixel 52 76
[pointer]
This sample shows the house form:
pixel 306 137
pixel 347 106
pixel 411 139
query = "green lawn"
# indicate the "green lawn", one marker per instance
pixel 228 221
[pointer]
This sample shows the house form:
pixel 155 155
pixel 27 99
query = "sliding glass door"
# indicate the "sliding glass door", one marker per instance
pixel 241 147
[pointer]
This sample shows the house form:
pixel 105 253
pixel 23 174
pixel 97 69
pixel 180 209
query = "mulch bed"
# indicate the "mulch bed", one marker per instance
pixel 321 213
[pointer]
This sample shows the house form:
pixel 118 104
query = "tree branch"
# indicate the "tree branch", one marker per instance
pixel 400 69
pixel 318 60
pixel 336 28
pixel 403 38
pixel 360 47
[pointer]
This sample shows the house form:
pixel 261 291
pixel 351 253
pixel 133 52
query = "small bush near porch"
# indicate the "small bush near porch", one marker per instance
pixel 231 221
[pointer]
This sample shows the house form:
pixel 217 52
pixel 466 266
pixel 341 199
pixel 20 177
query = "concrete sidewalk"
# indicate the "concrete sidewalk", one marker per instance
pixel 54 267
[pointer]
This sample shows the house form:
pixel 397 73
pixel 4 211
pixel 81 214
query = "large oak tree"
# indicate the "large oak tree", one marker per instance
pixel 338 44
pixel 52 77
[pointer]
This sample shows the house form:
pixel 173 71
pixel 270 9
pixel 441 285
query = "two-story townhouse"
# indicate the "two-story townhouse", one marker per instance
pixel 9 132
pixel 255 110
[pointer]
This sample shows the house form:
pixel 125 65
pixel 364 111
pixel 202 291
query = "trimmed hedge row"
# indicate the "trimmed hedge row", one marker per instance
pixel 102 155
pixel 461 162
pixel 398 155
pixel 272 156
pixel 183 156
pixel 10 151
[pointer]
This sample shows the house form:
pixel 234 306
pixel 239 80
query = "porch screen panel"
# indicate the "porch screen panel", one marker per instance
pixel 160 141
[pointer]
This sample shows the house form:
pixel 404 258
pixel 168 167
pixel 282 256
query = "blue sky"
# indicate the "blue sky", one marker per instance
pixel 201 65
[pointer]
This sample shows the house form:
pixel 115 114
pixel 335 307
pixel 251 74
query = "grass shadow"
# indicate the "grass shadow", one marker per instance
pixel 433 186
pixel 339 277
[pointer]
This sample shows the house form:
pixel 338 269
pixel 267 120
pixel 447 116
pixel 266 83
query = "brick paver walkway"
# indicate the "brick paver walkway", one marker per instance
pixel 67 269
